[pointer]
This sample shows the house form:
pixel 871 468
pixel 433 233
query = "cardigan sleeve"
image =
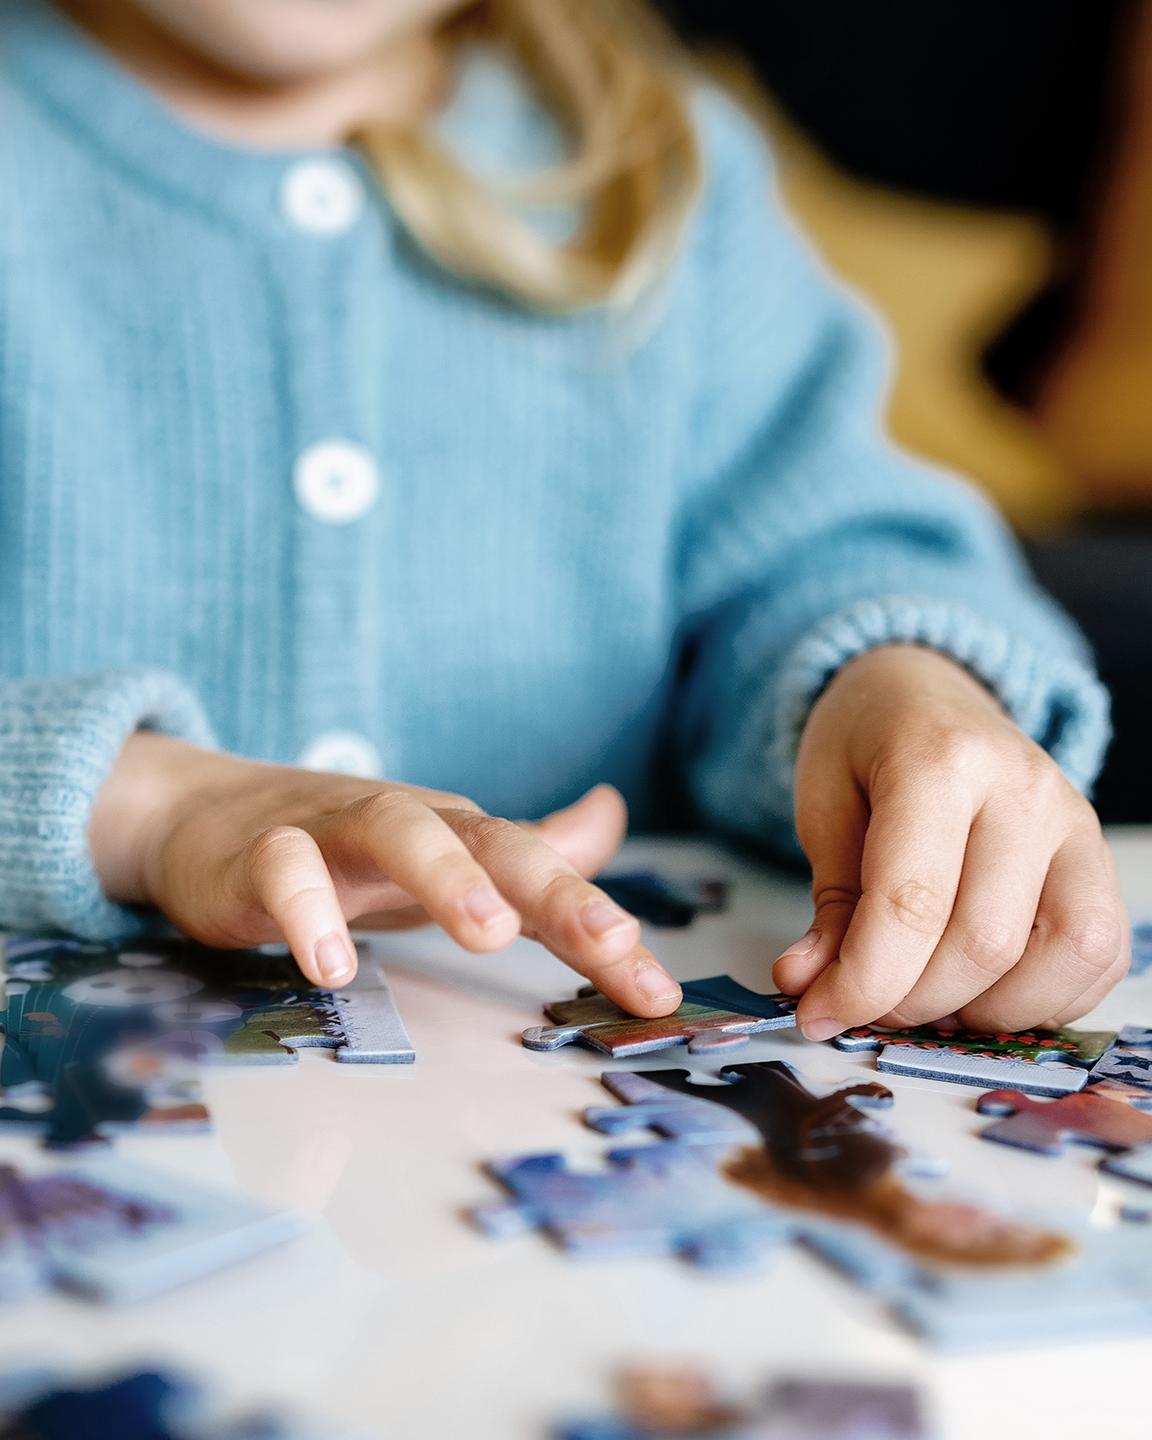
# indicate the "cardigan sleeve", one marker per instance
pixel 59 739
pixel 808 538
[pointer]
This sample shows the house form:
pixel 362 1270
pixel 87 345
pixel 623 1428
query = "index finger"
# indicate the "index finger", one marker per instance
pixel 909 875
pixel 572 917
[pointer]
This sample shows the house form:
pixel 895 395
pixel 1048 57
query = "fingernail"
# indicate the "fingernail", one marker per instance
pixel 656 984
pixel 485 905
pixel 948 1022
pixel 332 958
pixel 802 946
pixel 600 917
pixel 821 1029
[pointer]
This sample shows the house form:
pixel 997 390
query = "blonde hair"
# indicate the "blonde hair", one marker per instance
pixel 614 80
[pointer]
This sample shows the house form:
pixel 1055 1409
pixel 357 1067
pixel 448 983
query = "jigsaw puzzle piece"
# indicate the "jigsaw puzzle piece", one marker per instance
pixel 120 1233
pixel 144 1405
pixel 148 1086
pixel 657 1403
pixel 1104 1289
pixel 646 1104
pixel 1066 1046
pixel 658 1200
pixel 985 1071
pixel 716 1010
pixel 1047 1126
pixel 1129 1061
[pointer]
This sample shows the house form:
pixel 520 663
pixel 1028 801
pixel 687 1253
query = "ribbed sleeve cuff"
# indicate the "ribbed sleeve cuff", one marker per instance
pixel 1053 696
pixel 59 739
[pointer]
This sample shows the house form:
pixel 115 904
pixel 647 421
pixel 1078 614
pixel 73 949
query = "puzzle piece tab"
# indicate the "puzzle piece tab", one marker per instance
pixel 715 1012
pixel 1046 1126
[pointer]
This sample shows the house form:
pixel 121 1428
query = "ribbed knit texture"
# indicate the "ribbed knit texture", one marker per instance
pixel 604 548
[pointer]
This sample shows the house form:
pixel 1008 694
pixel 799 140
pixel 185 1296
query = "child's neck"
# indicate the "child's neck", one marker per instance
pixel 399 84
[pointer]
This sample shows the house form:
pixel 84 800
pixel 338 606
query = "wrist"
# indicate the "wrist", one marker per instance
pixel 153 776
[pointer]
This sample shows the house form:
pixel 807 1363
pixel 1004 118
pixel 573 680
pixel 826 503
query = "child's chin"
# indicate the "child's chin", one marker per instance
pixel 279 42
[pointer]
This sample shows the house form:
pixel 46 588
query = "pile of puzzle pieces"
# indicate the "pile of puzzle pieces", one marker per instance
pixel 143 1405
pixel 718 1013
pixel 675 1197
pixel 657 1403
pixel 104 1039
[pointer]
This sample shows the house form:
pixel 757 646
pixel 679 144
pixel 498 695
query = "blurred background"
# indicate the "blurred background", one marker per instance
pixel 982 173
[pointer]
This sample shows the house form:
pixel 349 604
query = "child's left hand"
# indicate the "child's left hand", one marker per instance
pixel 957 874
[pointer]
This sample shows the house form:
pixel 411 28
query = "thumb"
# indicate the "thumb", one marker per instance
pixel 588 833
pixel 831 821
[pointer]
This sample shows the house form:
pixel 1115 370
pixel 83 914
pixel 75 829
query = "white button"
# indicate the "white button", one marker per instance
pixel 344 752
pixel 323 196
pixel 336 481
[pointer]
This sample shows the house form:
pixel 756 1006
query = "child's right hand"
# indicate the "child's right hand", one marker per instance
pixel 237 853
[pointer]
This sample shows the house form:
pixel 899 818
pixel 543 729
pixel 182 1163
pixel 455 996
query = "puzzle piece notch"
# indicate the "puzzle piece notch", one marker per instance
pixel 715 1011
pixel 1047 1126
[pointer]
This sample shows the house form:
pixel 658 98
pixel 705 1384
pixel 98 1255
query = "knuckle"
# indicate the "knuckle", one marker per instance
pixel 459 803
pixel 990 948
pixel 560 898
pixel 861 991
pixel 274 849
pixel 832 897
pixel 486 832
pixel 917 906
pixel 1094 938
pixel 380 807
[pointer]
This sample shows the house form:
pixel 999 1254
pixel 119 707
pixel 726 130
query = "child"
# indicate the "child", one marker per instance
pixel 387 459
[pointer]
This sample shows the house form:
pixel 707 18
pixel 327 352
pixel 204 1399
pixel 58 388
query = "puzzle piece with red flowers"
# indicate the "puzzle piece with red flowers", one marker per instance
pixel 1039 1062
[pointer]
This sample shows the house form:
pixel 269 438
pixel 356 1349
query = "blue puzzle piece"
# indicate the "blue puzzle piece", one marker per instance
pixel 145 1405
pixel 119 1232
pixel 658 1200
pixel 1130 1061
pixel 648 1105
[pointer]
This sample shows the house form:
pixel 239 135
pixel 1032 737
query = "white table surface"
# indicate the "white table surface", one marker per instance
pixel 393 1315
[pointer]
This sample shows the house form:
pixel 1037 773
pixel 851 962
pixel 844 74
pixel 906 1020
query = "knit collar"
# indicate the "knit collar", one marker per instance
pixel 107 108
